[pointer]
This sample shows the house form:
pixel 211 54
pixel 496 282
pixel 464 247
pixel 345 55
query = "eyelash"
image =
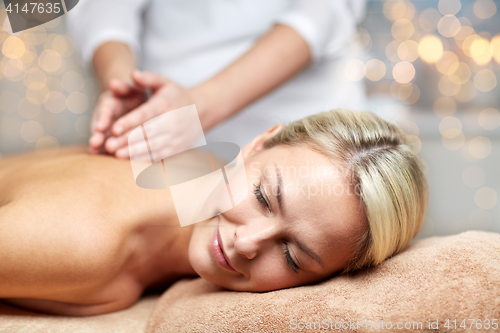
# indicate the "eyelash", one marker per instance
pixel 263 201
pixel 260 197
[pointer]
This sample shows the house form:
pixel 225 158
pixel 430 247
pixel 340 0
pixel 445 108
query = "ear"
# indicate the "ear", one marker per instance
pixel 258 143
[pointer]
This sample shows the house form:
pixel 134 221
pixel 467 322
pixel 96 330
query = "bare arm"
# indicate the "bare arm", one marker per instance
pixel 274 59
pixel 113 60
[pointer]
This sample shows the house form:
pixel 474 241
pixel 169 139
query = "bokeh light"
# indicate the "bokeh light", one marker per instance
pixel 50 61
pixel 55 102
pixel 453 143
pixel 449 7
pixel 485 80
pixel 408 50
pixel 31 131
pixel 13 47
pixel 484 9
pixel 429 19
pixel 450 127
pixel 77 102
pixel 449 26
pixel 72 81
pixel 480 147
pixel 489 119
pixel 444 106
pixel 403 72
pixel 82 126
pixel 402 29
pixel 486 198
pixel 430 48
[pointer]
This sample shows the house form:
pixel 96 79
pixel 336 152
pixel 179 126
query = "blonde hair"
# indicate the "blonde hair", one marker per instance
pixel 386 173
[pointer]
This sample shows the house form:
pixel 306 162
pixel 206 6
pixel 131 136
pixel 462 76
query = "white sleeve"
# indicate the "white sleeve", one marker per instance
pixel 94 22
pixel 326 25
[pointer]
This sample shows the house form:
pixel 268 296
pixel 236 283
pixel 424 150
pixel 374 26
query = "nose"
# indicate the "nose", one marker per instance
pixel 254 237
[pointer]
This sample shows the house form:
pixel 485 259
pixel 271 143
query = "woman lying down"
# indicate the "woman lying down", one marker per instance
pixel 79 237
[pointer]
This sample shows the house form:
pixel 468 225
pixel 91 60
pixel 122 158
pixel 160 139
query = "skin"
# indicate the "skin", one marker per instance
pixel 78 237
pixel 275 58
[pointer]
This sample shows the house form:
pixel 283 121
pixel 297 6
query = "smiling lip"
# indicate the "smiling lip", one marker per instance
pixel 216 247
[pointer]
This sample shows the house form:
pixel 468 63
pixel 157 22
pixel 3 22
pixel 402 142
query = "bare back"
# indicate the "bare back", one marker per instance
pixel 77 233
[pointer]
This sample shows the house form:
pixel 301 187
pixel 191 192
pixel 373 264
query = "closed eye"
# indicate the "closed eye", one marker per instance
pixel 260 197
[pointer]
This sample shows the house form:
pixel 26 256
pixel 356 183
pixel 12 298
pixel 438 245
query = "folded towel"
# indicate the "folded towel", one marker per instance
pixel 435 282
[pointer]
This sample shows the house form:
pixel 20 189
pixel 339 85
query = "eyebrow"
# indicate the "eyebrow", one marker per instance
pixel 281 206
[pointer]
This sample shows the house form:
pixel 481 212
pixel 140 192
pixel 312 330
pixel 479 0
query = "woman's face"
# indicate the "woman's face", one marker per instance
pixel 298 224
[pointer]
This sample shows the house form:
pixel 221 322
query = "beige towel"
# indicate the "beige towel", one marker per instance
pixel 434 280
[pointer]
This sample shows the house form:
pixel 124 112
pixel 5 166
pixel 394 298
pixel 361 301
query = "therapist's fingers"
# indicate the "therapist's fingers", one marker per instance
pixel 96 140
pixel 107 109
pixel 120 88
pixel 138 116
pixel 149 80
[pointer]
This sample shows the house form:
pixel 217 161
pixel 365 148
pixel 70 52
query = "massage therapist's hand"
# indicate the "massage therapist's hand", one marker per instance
pixel 119 99
pixel 166 96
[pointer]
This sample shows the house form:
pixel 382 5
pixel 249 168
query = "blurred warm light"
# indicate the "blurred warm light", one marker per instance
pixel 453 143
pixel 473 176
pixel 495 46
pixel 408 93
pixel 27 109
pixel 63 45
pixel 12 68
pixel 429 19
pixel 36 96
pixel 449 26
pixel 403 72
pixel 27 58
pixel 408 50
pixel 13 47
pixel 465 31
pixel 447 87
pixel 489 119
pixel 35 78
pixel 444 106
pixel 31 131
pixel 480 219
pixel 391 51
pixel 480 147
pixel 395 10
pixel 50 60
pixel 414 142
pixel 55 102
pixel 354 70
pixel 73 81
pixel 486 198
pixel 459 72
pixel 430 48
pixel 374 70
pixel 449 7
pixel 36 35
pixel 77 102
pixel 46 141
pixel 447 60
pixel 485 80
pixel 484 9
pixel 402 29
pixel 467 43
pixel 54 84
pixel 481 51
pixel 466 93
pixel 450 127
pixel 82 126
